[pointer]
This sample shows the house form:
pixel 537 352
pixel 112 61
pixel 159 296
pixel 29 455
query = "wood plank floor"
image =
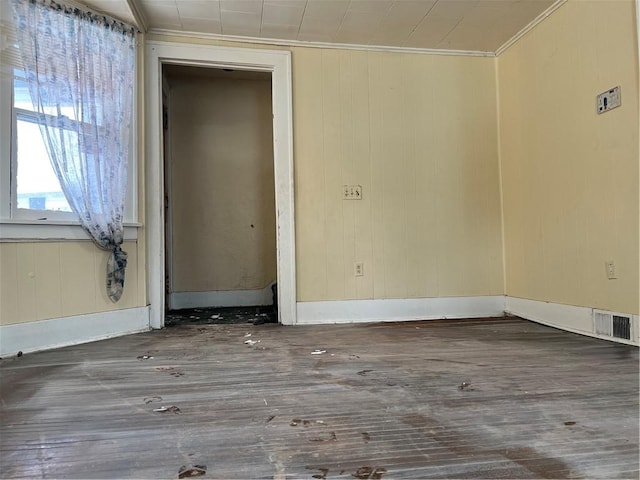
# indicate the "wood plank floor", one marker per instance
pixel 384 401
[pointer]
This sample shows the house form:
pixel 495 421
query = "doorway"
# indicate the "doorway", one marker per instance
pixel 276 64
pixel 220 239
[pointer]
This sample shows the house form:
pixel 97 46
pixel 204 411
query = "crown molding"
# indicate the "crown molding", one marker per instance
pixel 531 25
pixel 299 43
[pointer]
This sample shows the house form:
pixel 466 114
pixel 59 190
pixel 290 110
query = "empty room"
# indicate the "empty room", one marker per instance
pixel 325 239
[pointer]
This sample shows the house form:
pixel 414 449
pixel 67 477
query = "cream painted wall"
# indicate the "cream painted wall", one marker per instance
pixel 570 177
pixel 45 280
pixel 222 184
pixel 419 133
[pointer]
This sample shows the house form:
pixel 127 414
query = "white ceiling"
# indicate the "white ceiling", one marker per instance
pixel 468 25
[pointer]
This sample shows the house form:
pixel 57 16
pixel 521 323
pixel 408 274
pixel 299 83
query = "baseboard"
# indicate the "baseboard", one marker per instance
pixel 62 332
pixel 221 298
pixel 391 310
pixel 565 317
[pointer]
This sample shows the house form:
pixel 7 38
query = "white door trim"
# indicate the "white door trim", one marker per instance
pixel 279 64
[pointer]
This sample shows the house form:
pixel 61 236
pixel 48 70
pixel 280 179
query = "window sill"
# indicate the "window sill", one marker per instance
pixel 51 230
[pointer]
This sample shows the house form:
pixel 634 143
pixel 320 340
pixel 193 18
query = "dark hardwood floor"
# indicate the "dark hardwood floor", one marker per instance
pixel 494 398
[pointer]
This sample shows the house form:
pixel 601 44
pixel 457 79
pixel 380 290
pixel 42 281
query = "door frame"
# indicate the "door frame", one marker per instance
pixel 278 62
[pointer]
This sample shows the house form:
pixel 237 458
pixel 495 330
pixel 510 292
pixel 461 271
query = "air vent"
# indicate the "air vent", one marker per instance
pixel 603 323
pixel 612 325
pixel 622 327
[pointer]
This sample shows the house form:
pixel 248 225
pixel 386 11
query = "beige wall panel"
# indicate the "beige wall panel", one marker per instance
pixel 334 156
pixel 26 281
pixel 419 134
pixel 78 278
pixel 570 176
pixel 48 280
pixel 359 173
pixel 311 265
pixel 43 280
pixel 349 212
pixel 8 283
pixel 222 184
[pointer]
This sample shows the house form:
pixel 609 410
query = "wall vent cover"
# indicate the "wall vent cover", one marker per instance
pixel 612 324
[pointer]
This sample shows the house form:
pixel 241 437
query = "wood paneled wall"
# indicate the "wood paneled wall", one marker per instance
pixel 570 176
pixel 46 280
pixel 419 133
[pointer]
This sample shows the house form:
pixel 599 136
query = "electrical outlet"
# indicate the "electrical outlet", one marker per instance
pixel 611 269
pixel 358 269
pixel 352 192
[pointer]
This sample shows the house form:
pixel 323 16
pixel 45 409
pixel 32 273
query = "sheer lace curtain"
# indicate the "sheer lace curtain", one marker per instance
pixel 80 71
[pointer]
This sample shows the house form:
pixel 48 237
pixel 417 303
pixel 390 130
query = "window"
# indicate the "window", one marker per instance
pixel 36 189
pixel 30 192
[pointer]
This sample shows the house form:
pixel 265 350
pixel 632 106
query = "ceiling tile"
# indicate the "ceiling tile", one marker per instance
pixel 459 38
pixel 368 6
pixel 165 13
pixel 282 15
pixel 453 8
pixel 244 6
pixel 331 11
pixel 286 32
pixel 431 31
pixel 240 19
pixel 204 25
pixel 209 9
pixel 410 10
pixel 360 21
pixel 286 3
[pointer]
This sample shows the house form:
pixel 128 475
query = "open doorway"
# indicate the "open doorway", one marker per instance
pixel 160 54
pixel 220 214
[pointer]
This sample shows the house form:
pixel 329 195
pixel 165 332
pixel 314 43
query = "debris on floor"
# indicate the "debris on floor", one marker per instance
pixel 366 473
pixel 269 418
pixel 364 372
pixel 144 357
pixel 318 352
pixel 172 409
pixel 297 421
pixel 464 385
pixel 569 423
pixel 332 438
pixel 320 476
pixel 251 342
pixel 192 471
pixel 152 400
pixel 20 353
pixel 221 315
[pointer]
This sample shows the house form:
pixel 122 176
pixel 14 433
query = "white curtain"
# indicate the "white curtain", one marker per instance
pixel 80 71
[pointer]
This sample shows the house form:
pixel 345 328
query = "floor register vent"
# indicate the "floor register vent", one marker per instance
pixel 612 325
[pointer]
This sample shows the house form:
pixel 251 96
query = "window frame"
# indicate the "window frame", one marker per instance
pixel 24 224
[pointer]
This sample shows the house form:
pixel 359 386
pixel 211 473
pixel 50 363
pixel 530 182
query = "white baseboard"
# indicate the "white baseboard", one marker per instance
pixel 62 332
pixel 221 298
pixel 391 310
pixel 565 317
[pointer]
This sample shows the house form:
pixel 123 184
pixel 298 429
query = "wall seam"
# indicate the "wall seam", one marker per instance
pixel 496 70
